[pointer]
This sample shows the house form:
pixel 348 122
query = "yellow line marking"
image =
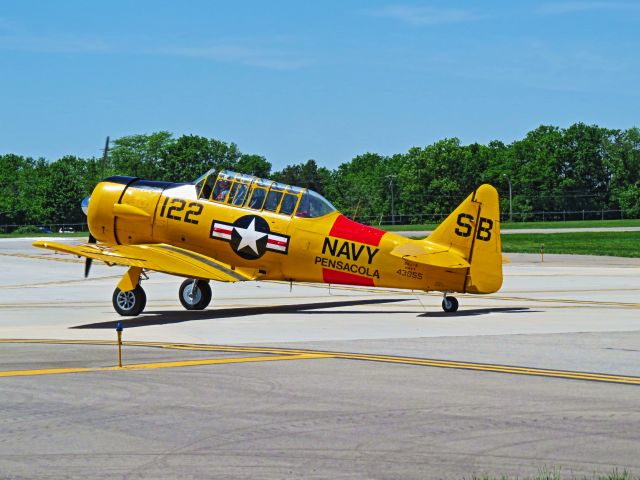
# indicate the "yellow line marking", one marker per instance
pixel 296 354
pixel 389 291
pixel 573 302
pixel 60 282
pixel 41 257
pixel 548 301
pixel 44 371
pixel 150 366
pixel 500 368
pixel 214 361
pixel 578 290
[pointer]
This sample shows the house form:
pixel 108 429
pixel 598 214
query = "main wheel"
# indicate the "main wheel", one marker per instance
pixel 195 295
pixel 450 304
pixel 131 303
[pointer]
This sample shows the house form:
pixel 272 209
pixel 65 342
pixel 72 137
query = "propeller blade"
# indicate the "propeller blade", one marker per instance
pixel 87 266
pixel 88 261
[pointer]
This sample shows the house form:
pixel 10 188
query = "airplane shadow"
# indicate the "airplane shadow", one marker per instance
pixel 478 311
pixel 150 318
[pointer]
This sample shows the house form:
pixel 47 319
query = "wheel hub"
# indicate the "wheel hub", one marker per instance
pixel 192 295
pixel 126 300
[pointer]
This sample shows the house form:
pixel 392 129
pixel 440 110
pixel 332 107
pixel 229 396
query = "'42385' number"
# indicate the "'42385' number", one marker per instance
pixel 174 207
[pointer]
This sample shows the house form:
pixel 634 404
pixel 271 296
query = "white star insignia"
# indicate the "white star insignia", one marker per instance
pixel 249 236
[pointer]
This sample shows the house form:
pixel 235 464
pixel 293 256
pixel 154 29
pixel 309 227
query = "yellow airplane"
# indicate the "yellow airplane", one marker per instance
pixel 231 227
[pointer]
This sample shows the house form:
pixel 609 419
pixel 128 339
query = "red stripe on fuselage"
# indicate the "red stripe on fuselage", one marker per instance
pixel 344 278
pixel 223 230
pixel 276 242
pixel 347 229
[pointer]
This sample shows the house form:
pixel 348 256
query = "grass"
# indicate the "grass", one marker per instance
pixel 425 226
pixel 404 228
pixel 616 244
pixel 572 224
pixel 521 225
pixel 554 474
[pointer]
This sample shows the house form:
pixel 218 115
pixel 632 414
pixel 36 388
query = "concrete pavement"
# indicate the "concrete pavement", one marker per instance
pixel 322 416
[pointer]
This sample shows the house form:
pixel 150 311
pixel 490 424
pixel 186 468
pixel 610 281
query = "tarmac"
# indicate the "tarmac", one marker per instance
pixel 308 381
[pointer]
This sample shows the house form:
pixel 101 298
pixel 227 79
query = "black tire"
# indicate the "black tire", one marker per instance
pixel 201 298
pixel 129 304
pixel 450 304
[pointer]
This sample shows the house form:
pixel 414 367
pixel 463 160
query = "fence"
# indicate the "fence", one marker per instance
pixel 544 216
pixel 48 228
pixel 398 219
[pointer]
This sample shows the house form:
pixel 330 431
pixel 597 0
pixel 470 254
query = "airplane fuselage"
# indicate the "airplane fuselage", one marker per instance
pixel 328 249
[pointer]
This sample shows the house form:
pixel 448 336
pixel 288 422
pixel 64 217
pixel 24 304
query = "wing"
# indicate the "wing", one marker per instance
pixel 159 257
pixel 429 253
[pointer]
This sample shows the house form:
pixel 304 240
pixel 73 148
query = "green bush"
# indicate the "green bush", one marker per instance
pixel 27 229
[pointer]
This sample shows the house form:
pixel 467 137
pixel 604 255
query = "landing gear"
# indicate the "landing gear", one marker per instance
pixel 131 303
pixel 195 294
pixel 449 304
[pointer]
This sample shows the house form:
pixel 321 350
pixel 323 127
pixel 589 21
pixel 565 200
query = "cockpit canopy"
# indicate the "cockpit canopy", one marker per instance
pixel 255 193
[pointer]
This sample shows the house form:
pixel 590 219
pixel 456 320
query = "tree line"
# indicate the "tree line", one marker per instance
pixel 552 169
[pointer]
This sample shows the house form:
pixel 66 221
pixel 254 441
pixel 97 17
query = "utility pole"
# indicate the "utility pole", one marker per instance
pixel 105 157
pixel 393 210
pixel 510 198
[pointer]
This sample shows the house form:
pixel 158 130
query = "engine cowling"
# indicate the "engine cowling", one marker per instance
pixel 122 209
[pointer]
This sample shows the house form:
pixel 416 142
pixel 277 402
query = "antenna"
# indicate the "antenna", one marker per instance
pixel 105 157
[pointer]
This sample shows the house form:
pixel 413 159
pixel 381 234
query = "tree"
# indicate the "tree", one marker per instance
pixel 624 167
pixel 553 169
pixel 306 175
pixel 141 155
pixel 63 188
pixel 253 165
pixel 584 166
pixel 358 187
pixel 12 176
pixel 536 165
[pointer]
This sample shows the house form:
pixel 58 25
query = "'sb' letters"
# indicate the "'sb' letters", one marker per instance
pixel 465 222
pixel 484 229
pixel 467 226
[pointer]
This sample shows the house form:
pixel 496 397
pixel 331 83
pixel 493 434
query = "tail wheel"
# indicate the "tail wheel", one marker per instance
pixel 131 303
pixel 450 304
pixel 195 294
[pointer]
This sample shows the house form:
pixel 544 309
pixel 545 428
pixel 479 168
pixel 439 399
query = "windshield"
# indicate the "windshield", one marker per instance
pixel 203 176
pixel 313 205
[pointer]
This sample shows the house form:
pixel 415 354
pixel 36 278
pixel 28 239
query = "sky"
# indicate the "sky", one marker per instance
pixel 324 80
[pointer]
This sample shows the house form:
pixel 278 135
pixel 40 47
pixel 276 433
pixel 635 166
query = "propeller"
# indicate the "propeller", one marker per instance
pixel 88 261
pixel 85 207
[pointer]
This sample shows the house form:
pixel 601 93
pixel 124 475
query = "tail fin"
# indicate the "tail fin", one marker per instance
pixel 472 231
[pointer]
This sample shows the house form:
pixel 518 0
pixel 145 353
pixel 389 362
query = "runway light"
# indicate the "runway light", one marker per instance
pixel 119 332
pixel 542 253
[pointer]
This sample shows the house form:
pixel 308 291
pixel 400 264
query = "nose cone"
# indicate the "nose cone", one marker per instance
pixel 85 204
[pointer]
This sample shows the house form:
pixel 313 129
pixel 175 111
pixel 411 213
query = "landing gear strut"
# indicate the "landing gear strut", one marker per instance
pixel 195 294
pixel 449 304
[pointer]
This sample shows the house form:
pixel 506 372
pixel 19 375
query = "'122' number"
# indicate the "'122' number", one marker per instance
pixel 177 206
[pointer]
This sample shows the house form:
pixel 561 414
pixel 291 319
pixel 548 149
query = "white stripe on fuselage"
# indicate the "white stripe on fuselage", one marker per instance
pixel 188 192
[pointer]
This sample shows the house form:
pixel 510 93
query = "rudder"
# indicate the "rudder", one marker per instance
pixel 473 232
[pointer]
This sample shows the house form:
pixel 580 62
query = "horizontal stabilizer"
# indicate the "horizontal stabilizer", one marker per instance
pixel 429 253
pixel 158 257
